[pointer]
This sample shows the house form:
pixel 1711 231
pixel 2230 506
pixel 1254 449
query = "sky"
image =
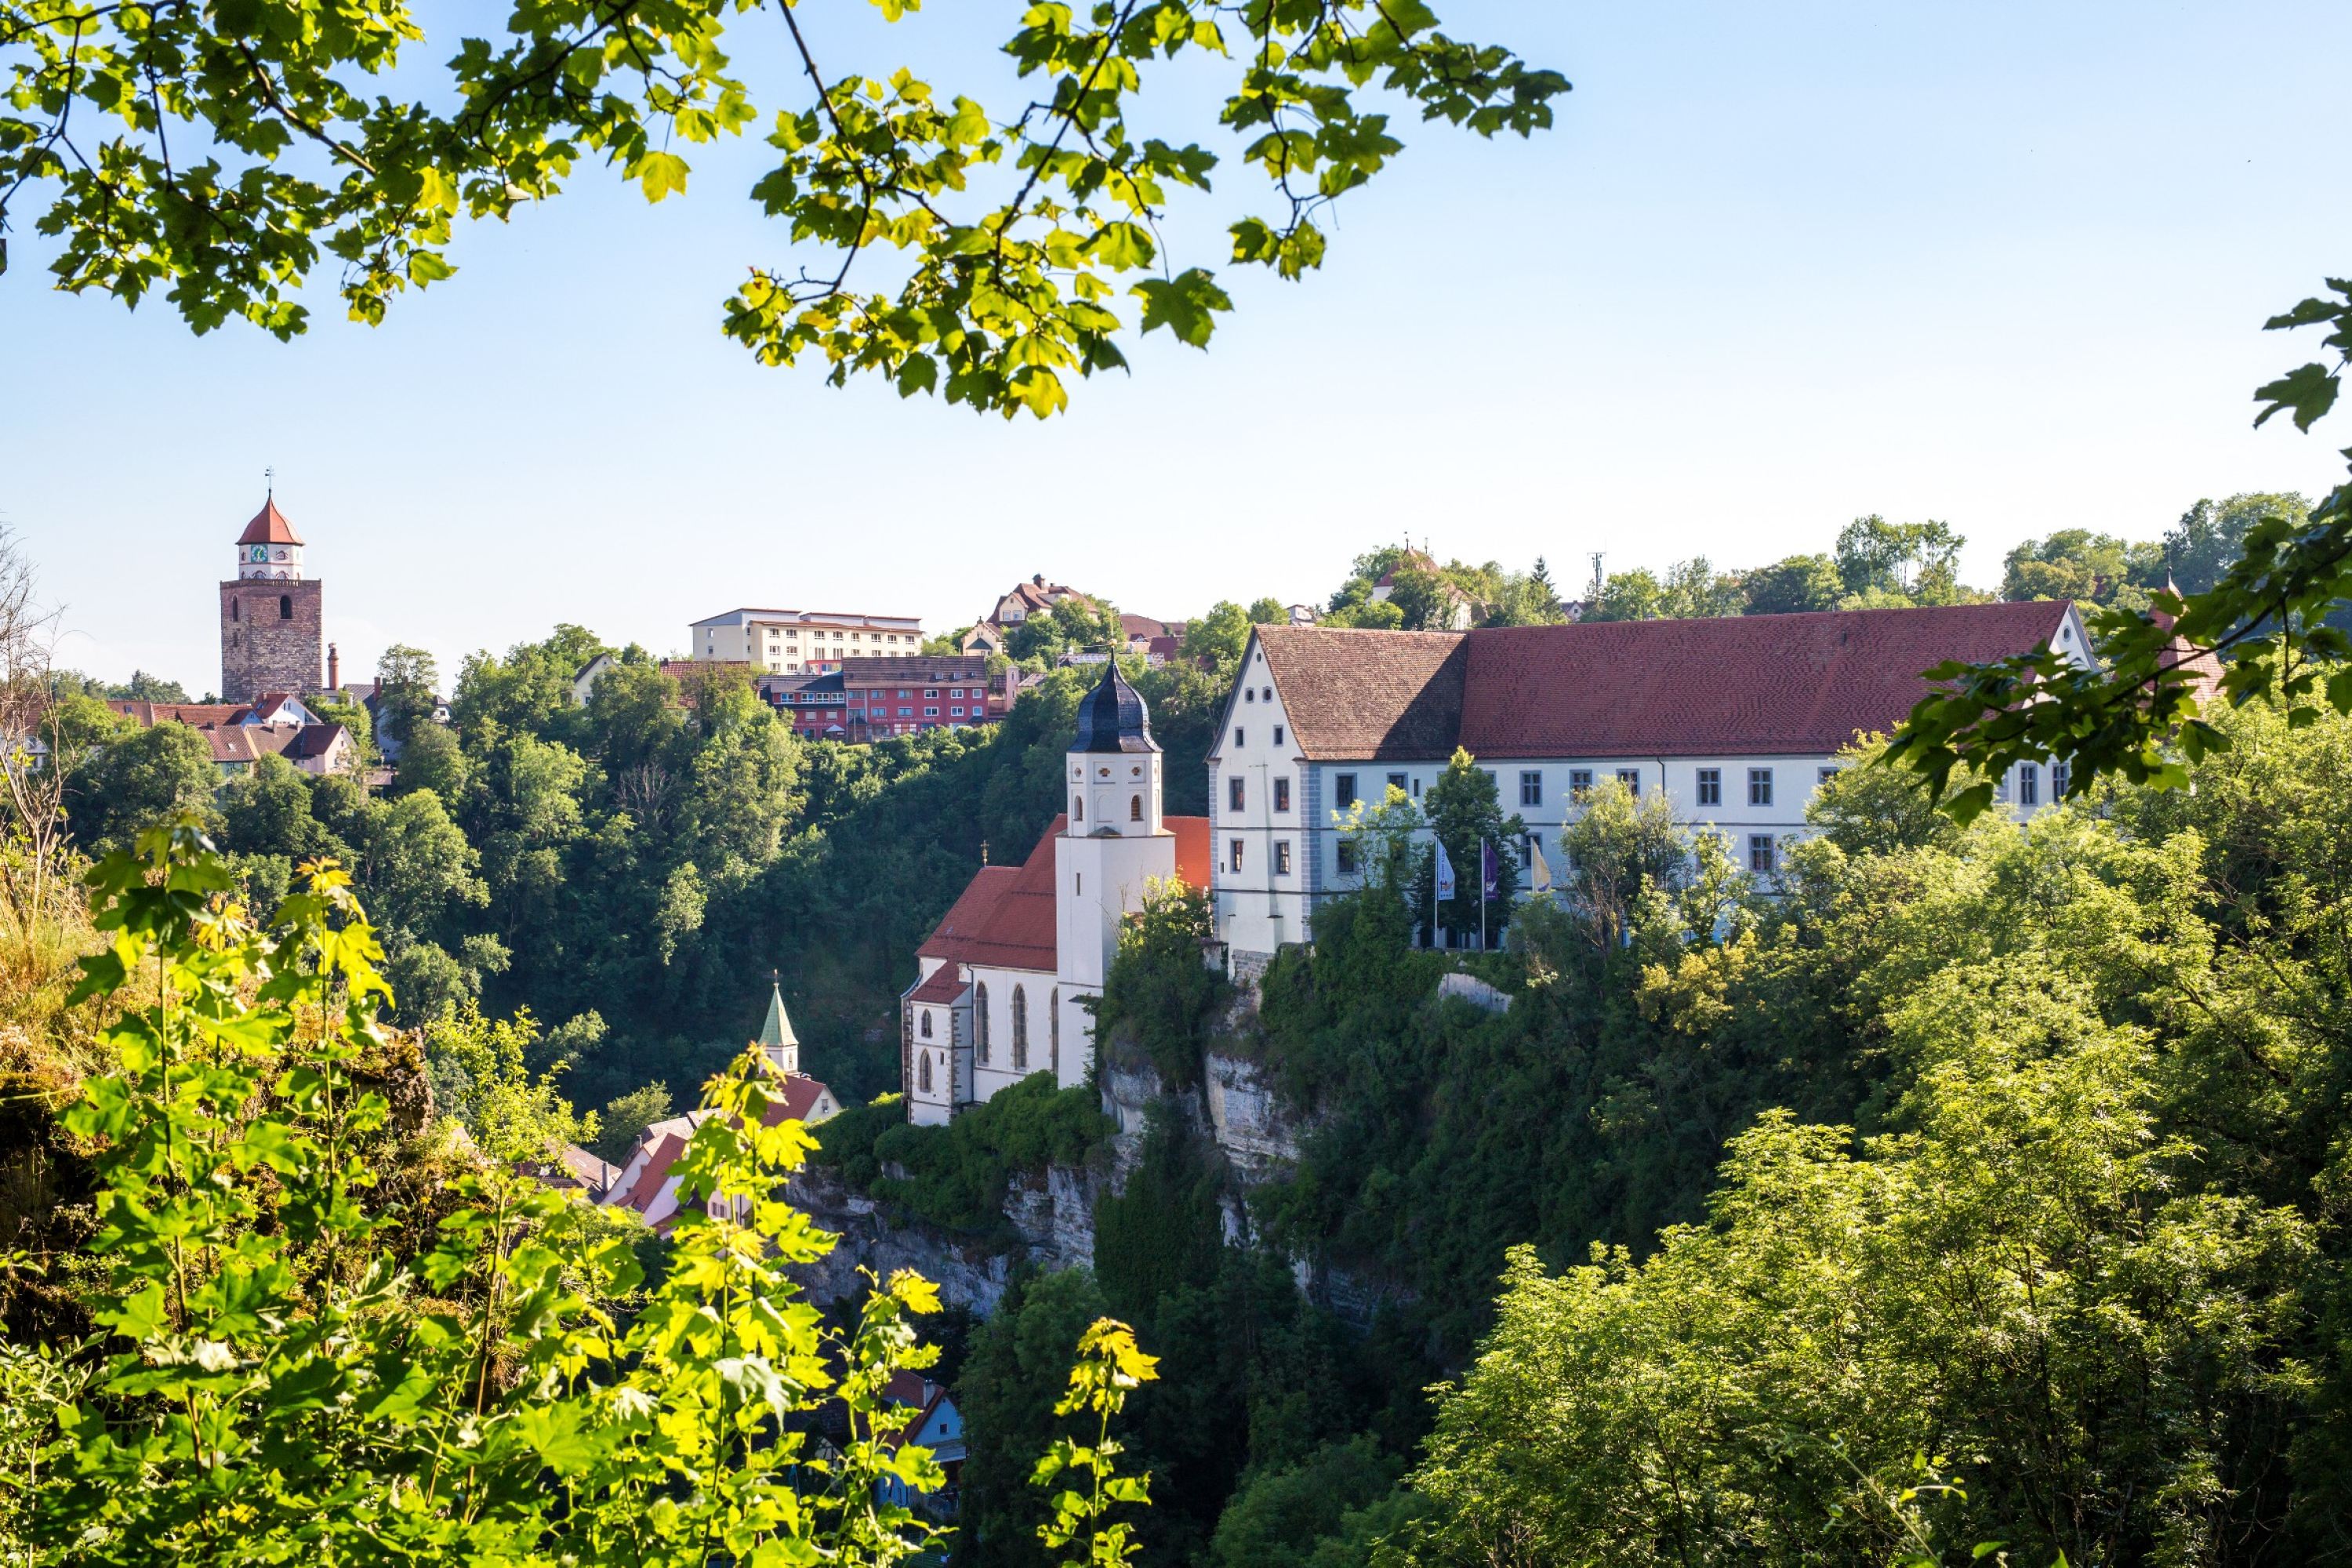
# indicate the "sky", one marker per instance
pixel 2003 264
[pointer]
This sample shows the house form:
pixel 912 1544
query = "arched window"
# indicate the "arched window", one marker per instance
pixel 235 605
pixel 1134 809
pixel 923 1072
pixel 927 1022
pixel 1054 1030
pixel 285 606
pixel 1020 1030
pixel 1078 808
pixel 979 1020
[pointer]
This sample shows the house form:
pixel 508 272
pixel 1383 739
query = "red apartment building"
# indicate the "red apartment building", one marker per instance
pixel 873 698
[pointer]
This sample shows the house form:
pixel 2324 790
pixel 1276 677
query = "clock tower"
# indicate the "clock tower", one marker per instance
pixel 272 627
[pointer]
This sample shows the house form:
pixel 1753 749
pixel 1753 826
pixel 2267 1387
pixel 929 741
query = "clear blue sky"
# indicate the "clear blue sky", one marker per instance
pixel 1999 264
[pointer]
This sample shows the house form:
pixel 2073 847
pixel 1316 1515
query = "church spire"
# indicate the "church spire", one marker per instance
pixel 776 1039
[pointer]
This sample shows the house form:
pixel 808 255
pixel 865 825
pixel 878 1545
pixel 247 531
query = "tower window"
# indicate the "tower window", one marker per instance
pixel 285 606
pixel 923 1072
pixel 235 609
pixel 1134 809
pixel 979 1020
pixel 1078 808
pixel 927 1022
pixel 1020 1030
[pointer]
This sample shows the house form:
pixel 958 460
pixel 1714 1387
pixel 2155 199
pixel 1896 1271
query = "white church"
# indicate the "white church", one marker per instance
pixel 1001 979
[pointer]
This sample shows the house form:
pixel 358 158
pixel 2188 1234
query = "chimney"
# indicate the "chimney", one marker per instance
pixel 334 669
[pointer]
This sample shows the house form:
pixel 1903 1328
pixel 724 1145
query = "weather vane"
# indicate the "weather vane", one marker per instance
pixel 269 484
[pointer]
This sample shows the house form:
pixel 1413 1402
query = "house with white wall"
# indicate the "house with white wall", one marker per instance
pixel 1003 982
pixel 1735 720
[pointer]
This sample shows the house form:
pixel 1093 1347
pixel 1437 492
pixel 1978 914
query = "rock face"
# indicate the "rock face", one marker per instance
pixel 967 1274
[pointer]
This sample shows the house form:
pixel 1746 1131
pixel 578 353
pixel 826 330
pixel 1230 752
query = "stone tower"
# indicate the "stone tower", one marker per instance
pixel 272 630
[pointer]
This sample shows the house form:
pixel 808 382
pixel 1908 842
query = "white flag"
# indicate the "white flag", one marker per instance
pixel 1539 869
pixel 1444 874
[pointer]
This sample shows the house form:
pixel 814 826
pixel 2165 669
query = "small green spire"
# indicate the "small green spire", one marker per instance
pixel 777 1032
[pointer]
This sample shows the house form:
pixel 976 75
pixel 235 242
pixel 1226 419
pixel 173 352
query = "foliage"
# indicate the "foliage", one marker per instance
pixel 1076 624
pixel 2088 567
pixel 2141 715
pixel 1013 1378
pixel 1276 1518
pixel 1161 993
pixel 956 1177
pixel 141 777
pixel 1018 233
pixel 1794 584
pixel 479 1080
pixel 1464 810
pixel 275 1385
pixel 1109 1367
pixel 626 1116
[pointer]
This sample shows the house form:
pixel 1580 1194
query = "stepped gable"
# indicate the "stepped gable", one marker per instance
pixel 1374 695
pixel 1744 685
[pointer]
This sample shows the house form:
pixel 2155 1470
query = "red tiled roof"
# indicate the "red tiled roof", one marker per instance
pixel 1005 917
pixel 1741 684
pixel 268 527
pixel 941 986
pixel 1378 695
pixel 199 714
pixel 656 1171
pixel 1142 627
pixel 800 1096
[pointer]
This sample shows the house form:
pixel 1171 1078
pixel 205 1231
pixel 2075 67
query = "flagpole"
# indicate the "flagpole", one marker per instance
pixel 1483 853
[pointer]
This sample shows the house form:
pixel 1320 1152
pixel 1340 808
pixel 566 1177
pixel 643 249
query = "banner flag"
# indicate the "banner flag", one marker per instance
pixel 1538 868
pixel 1490 880
pixel 1444 874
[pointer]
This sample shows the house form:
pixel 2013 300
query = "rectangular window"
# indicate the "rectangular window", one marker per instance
pixel 1760 852
pixel 1631 779
pixel 930 712
pixel 1282 795
pixel 2059 774
pixel 1282 857
pixel 1710 786
pixel 1396 781
pixel 932 691
pixel 1238 741
pixel 1347 856
pixel 1827 773
pixel 954 712
pixel 2029 785
pixel 1526 852
pixel 1234 794
pixel 1580 780
pixel 1759 786
pixel 1233 855
pixel 1530 787
pixel 1343 790
pixel 905 713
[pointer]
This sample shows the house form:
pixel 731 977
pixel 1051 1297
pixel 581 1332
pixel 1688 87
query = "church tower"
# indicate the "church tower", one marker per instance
pixel 1113 843
pixel 777 1041
pixel 272 626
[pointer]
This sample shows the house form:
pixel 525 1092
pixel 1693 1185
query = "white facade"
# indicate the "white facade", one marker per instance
pixel 791 642
pixel 280 562
pixel 972 1027
pixel 1277 842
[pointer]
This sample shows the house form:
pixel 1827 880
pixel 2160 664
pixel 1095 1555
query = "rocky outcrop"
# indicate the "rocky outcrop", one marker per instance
pixel 968 1273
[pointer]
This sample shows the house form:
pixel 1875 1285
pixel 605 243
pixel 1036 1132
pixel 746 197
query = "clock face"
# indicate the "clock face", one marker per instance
pixel 260 552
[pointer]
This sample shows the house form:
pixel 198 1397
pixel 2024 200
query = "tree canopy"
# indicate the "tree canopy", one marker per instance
pixel 220 159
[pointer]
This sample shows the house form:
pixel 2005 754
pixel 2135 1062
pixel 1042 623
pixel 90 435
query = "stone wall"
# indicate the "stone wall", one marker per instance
pixel 262 650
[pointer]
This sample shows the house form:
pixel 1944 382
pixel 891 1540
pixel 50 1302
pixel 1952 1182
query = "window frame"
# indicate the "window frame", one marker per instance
pixel 1531 787
pixel 1759 786
pixel 1710 786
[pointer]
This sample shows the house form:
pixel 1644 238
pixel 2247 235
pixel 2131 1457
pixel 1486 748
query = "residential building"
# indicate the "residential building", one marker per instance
pixel 930 1421
pixel 649 1184
pixel 584 681
pixel 1736 721
pixel 1002 979
pixel 874 699
pixel 795 642
pixel 271 615
pixel 241 734
pixel 1023 600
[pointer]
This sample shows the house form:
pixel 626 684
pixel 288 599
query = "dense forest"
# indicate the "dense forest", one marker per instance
pixel 1961 1185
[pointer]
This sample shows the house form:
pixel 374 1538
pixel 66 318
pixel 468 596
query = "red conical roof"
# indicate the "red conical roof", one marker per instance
pixel 269 527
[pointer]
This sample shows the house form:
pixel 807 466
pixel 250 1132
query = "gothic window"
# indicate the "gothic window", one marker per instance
pixel 1078 808
pixel 1020 1030
pixel 285 606
pixel 923 1073
pixel 1134 809
pixel 927 1022
pixel 979 1020
pixel 1054 1030
pixel 234 605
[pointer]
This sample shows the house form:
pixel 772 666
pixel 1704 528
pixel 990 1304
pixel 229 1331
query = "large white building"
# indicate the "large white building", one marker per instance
pixel 1736 721
pixel 791 642
pixel 1001 980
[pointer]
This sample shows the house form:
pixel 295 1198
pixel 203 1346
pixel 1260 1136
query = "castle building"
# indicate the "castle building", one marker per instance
pixel 797 642
pixel 1003 980
pixel 271 621
pixel 1736 721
